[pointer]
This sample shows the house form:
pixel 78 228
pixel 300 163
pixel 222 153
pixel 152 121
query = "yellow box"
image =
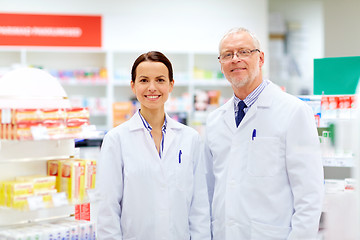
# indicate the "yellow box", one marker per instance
pixel 18 202
pixel 2 194
pixel 41 183
pixel 72 180
pixel 15 188
pixel 54 169
pixel 15 193
pixel 47 196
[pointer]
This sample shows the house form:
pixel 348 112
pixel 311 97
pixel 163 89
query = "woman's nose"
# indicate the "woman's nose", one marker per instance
pixel 152 86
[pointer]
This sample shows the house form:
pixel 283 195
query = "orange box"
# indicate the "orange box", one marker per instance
pixel 122 111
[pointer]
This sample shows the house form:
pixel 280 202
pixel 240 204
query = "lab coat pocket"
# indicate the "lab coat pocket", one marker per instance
pixel 184 173
pixel 264 159
pixel 261 231
pixel 132 238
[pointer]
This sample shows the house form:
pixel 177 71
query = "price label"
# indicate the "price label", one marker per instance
pixel 59 199
pixel 5 116
pixel 35 202
pixel 39 132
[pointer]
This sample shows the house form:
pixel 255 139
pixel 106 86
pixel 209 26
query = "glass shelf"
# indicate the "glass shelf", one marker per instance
pixel 20 151
pixel 338 161
pixel 10 217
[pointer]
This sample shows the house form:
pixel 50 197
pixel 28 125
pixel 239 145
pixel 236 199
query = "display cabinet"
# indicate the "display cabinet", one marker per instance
pixel 97 78
pixel 24 156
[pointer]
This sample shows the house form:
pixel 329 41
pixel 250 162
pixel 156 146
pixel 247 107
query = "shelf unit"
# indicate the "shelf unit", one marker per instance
pixel 192 71
pixel 338 162
pixel 21 158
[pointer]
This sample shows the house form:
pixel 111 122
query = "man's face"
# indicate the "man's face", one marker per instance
pixel 241 71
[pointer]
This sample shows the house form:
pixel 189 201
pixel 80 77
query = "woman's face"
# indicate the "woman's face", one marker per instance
pixel 152 85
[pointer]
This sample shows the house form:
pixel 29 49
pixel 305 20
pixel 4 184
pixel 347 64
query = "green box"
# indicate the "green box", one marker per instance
pixel 336 76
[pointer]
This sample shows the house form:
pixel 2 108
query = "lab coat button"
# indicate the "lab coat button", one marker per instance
pixel 232 182
pixel 230 223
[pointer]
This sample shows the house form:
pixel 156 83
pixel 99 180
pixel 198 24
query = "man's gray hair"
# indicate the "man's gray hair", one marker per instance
pixel 238 30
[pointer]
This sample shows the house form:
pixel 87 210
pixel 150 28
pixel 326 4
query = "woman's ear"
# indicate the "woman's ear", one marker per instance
pixel 171 85
pixel 132 84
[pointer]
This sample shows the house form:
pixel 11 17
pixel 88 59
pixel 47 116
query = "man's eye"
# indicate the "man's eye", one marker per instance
pixel 227 55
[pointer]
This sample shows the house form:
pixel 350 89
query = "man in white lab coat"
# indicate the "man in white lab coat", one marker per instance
pixel 265 172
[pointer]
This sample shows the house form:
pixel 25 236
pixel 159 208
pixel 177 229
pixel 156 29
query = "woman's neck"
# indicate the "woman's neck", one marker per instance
pixel 154 117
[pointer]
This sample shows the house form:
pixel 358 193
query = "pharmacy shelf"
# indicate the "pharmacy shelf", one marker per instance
pixel 75 82
pixel 11 217
pixel 192 71
pixel 211 82
pixel 25 151
pixel 338 161
pixel 20 158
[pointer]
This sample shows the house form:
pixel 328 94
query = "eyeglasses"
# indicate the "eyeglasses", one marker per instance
pixel 228 56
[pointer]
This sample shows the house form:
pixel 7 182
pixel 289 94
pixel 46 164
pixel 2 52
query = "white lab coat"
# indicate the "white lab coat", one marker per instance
pixel 270 187
pixel 144 197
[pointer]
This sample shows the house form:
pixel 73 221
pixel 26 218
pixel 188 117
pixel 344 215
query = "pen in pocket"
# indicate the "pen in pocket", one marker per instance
pixel 253 134
pixel 180 152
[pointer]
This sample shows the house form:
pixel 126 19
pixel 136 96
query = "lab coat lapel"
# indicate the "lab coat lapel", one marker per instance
pixel 249 115
pixel 137 124
pixel 169 138
pixel 171 129
pixel 229 114
pixel 264 101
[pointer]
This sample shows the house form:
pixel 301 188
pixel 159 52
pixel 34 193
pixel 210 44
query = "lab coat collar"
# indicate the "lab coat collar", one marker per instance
pixel 264 101
pixel 135 123
pixel 171 123
pixel 266 96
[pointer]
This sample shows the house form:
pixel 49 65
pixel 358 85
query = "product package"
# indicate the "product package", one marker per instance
pixel 35 124
pixel 40 183
pixel 15 194
pixel 72 179
pixel 90 174
pixel 53 169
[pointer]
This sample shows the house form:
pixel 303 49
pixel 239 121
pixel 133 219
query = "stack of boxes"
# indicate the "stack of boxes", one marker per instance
pixel 72 176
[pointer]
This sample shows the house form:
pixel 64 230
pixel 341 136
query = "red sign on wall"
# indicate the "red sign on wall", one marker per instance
pixel 50 30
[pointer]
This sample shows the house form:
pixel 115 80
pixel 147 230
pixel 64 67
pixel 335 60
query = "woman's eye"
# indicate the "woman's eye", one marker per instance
pixel 161 80
pixel 143 80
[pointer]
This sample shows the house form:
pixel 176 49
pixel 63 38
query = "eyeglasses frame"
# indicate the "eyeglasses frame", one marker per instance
pixel 236 54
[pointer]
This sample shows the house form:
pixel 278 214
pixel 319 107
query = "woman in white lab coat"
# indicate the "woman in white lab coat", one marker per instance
pixel 151 173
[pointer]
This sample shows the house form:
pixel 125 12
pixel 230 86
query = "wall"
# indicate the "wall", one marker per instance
pixel 305 38
pixel 342 32
pixel 180 25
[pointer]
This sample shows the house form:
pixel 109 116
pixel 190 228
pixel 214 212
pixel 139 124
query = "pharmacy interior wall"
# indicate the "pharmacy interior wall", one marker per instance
pixel 178 28
pixel 342 35
pixel 304 21
pixel 163 25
